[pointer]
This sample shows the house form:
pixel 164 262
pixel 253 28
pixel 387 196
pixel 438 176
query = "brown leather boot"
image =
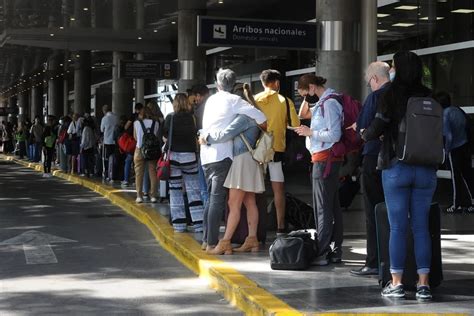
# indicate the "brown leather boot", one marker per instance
pixel 250 244
pixel 223 248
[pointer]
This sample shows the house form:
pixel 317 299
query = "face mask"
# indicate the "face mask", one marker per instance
pixel 392 76
pixel 311 99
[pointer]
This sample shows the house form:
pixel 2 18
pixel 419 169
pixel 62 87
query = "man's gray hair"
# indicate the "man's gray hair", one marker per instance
pixel 225 79
pixel 379 69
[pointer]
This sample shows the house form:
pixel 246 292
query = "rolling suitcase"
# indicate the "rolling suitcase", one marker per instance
pixel 242 231
pixel 410 275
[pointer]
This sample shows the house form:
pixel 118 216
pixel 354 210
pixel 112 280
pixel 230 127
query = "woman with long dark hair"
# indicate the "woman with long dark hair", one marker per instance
pixel 408 188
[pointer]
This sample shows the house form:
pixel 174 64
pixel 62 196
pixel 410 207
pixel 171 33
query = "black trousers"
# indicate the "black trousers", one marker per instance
pixel 373 194
pixel 462 176
pixel 48 159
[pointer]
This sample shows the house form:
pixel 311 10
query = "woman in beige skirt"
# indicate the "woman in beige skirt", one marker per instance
pixel 245 177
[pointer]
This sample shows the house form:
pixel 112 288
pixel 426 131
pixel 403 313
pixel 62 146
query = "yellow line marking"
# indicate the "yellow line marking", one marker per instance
pixel 239 290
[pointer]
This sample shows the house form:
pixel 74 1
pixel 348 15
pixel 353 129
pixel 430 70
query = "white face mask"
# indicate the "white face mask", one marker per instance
pixel 392 76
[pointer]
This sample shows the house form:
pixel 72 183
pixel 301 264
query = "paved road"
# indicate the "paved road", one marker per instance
pixel 107 263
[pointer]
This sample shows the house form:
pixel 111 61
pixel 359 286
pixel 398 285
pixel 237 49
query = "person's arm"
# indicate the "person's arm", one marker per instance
pixel 240 124
pixel 245 108
pixel 376 128
pixel 305 112
pixel 333 117
pixel 135 130
pixel 166 127
pixel 128 124
pixel 447 132
pixel 295 120
pixel 102 125
pixel 367 114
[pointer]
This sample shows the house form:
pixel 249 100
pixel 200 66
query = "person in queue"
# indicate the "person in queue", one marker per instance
pixel 184 164
pixel 245 177
pixel 221 109
pixel 325 131
pixel 408 188
pixel 378 79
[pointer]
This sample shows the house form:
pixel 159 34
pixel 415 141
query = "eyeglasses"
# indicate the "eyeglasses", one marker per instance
pixel 368 82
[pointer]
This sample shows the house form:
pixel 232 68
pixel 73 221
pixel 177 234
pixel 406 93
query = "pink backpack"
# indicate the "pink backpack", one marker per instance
pixel 350 141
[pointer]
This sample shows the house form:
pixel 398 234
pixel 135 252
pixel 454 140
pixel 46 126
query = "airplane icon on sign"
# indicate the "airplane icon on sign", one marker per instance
pixel 220 31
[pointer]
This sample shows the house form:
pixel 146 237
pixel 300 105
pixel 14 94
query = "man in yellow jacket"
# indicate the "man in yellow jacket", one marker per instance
pixel 280 112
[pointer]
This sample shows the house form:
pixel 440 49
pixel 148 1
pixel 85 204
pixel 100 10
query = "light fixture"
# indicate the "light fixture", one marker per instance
pixel 93 67
pixel 220 1
pixel 77 56
pixel 139 37
pixel 102 64
pixel 72 18
pixel 61 27
pixel 69 60
pixel 407 7
pixel 85 9
pixel 465 11
pixel 173 22
pixel 155 31
pixel 425 18
pixel 60 65
pixel 403 24
pixel 382 15
pixel 51 34
pixel 381 31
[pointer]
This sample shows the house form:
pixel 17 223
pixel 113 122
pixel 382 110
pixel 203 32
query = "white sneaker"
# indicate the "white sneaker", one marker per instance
pixel 153 200
pixel 139 200
pixel 45 175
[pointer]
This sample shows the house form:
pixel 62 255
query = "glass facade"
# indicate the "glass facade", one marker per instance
pixel 442 33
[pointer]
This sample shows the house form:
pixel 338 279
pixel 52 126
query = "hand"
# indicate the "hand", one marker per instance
pixel 362 131
pixel 202 140
pixel 303 130
pixel 353 126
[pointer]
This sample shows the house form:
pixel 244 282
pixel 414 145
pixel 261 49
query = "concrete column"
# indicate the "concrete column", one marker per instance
pixel 22 105
pixel 368 39
pixel 82 61
pixel 140 83
pixel 122 89
pixel 36 102
pixel 192 59
pixel 338 50
pixel 3 104
pixel 82 82
pixel 55 98
pixel 12 103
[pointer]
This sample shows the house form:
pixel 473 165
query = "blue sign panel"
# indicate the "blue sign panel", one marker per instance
pixel 214 31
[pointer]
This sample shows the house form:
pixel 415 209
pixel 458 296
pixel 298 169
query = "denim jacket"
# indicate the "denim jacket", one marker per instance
pixel 327 129
pixel 241 124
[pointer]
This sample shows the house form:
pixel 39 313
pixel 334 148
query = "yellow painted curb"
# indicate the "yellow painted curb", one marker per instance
pixel 239 290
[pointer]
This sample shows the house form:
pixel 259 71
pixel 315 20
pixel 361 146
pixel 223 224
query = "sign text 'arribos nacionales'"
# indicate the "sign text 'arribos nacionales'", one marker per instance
pixel 256 33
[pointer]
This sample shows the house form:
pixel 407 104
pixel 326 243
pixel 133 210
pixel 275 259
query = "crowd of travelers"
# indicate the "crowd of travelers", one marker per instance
pixel 211 140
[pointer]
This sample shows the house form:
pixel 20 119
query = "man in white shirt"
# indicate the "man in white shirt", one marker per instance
pixel 220 110
pixel 107 127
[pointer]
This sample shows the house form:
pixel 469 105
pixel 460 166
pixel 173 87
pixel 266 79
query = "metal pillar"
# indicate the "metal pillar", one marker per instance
pixel 23 107
pixel 122 89
pixel 192 59
pixel 140 83
pixel 36 102
pixel 368 39
pixel 55 99
pixel 338 50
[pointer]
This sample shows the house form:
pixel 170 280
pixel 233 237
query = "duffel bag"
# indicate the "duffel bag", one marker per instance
pixel 293 252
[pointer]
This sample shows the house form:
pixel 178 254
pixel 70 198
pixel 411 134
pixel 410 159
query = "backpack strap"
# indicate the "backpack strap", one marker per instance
pixel 143 126
pixel 152 128
pixel 288 114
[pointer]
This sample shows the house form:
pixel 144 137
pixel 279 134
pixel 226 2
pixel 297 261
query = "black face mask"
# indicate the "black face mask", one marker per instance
pixel 311 99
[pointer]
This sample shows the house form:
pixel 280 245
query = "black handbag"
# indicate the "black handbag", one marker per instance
pixel 293 252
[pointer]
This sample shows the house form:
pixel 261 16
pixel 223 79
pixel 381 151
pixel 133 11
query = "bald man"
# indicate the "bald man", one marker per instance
pixel 378 79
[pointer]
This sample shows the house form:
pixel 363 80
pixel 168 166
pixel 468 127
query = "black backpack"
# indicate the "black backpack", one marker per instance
pixel 151 145
pixel 293 252
pixel 420 133
pixel 469 130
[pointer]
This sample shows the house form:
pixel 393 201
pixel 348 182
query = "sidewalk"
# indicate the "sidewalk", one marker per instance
pixel 247 281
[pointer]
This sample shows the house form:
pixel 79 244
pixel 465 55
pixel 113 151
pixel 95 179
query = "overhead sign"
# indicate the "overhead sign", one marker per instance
pixel 7 111
pixel 148 69
pixel 214 31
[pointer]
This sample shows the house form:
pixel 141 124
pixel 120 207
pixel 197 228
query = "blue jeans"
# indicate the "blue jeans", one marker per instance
pixel 31 151
pixel 408 192
pixel 38 147
pixel 127 167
